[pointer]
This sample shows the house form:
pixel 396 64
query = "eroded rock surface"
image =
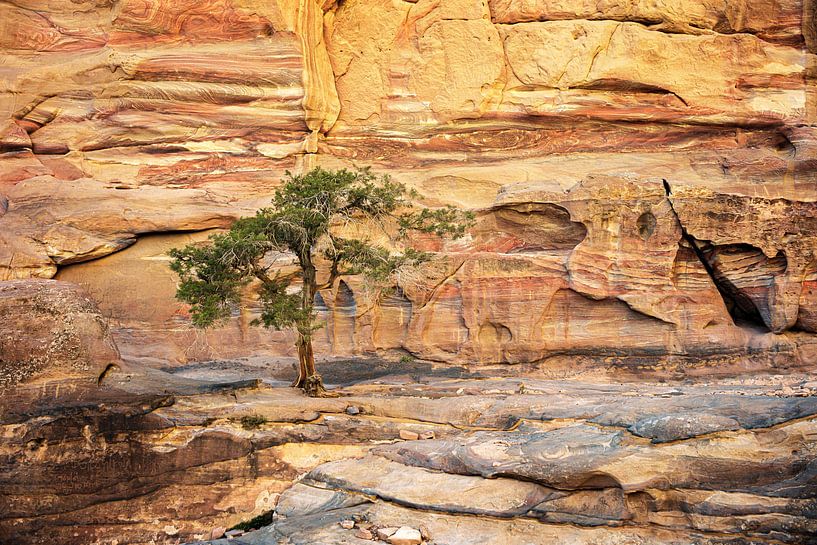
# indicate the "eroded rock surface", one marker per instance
pixel 611 461
pixel 555 121
pixel 51 330
pixel 643 177
pixel 553 473
pixel 136 454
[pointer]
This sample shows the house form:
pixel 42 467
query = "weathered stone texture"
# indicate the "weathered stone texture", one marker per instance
pixel 51 330
pixel 643 172
pixel 643 176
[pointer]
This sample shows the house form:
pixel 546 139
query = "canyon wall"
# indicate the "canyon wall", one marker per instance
pixel 644 180
pixel 643 173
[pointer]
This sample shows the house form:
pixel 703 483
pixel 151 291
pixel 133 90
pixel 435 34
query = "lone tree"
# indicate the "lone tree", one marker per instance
pixel 307 219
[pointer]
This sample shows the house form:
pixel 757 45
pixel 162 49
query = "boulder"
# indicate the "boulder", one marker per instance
pixel 51 330
pixel 406 535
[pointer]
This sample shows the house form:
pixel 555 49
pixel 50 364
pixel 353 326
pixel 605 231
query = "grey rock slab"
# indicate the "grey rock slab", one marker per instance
pixel 497 404
pixel 301 500
pixel 565 458
pixel 447 529
pixel 430 490
pixel 681 426
pixel 778 462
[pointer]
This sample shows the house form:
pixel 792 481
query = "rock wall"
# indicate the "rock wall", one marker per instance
pixel 97 450
pixel 51 331
pixel 643 172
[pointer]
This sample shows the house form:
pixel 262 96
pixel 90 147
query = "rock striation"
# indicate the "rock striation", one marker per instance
pixel 554 472
pixel 643 177
pixel 643 172
pixel 594 463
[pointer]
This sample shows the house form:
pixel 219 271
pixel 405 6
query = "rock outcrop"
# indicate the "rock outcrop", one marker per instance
pixel 551 471
pixel 51 331
pixel 510 461
pixel 555 121
pixel 643 177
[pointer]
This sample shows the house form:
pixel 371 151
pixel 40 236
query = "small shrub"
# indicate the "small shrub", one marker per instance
pixel 260 521
pixel 253 421
pixel 406 359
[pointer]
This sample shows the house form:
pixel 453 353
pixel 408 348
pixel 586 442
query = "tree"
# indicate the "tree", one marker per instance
pixel 309 219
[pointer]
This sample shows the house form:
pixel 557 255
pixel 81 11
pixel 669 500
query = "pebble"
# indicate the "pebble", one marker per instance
pixel 347 524
pixel 217 532
pixel 233 533
pixel 352 410
pixel 383 534
pixel 406 535
pixel 409 435
pixel 427 435
pixel 363 533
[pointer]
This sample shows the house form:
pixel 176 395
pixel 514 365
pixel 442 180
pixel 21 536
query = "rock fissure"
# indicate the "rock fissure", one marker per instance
pixel 726 294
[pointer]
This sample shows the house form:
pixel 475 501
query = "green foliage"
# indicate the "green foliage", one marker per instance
pixel 448 221
pixel 406 359
pixel 255 523
pixel 303 220
pixel 208 284
pixel 280 309
pixel 253 422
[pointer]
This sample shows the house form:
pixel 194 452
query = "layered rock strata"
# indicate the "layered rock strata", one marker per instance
pixel 534 460
pixel 101 450
pixel 643 178
pixel 156 117
pixel 552 472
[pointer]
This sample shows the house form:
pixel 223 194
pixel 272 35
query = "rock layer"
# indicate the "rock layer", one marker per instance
pixel 557 122
pixel 553 475
pixel 532 459
pixel 643 179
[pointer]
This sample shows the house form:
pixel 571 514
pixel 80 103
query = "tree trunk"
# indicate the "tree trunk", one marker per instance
pixel 308 377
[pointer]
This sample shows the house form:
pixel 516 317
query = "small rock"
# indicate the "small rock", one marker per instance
pixel 171 530
pixel 352 410
pixel 363 533
pixel 427 435
pixel 217 532
pixel 406 536
pixel 383 534
pixel 409 435
pixel 424 533
pixel 233 533
pixel 347 524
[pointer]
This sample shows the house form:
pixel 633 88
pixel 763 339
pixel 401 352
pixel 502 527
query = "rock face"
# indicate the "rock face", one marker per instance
pixel 99 450
pixel 153 457
pixel 643 176
pixel 51 330
pixel 554 472
pixel 643 172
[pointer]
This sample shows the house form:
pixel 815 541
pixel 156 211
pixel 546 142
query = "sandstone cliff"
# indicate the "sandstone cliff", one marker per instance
pixel 643 175
pixel 643 172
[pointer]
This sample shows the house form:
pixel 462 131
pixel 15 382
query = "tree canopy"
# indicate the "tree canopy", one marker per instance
pixel 309 218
